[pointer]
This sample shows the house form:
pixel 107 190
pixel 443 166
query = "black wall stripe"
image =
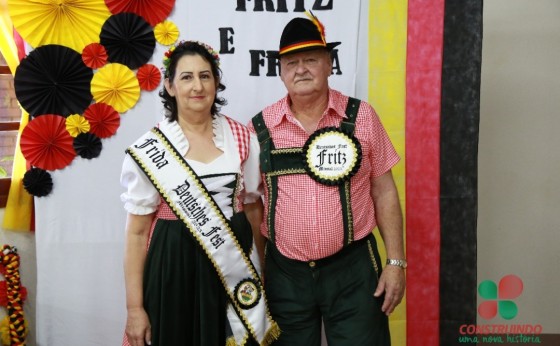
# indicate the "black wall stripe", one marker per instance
pixel 460 114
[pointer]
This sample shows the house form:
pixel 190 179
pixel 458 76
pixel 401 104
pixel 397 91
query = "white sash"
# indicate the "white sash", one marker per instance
pixel 187 196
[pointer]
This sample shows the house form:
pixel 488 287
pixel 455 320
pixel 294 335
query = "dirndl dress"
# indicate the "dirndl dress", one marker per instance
pixel 183 295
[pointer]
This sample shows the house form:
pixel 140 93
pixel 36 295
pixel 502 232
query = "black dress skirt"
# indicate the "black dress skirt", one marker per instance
pixel 183 295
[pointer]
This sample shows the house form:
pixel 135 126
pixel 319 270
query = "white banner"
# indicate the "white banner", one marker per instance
pixel 244 31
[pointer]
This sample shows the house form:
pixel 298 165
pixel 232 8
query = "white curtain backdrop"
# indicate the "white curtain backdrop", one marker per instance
pixel 80 226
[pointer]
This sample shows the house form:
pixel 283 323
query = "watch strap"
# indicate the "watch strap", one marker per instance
pixel 397 262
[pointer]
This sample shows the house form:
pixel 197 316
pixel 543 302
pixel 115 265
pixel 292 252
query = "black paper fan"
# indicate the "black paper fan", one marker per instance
pixel 128 39
pixel 87 145
pixel 53 79
pixel 37 182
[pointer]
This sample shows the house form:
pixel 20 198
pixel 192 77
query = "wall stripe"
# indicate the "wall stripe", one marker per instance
pixel 460 113
pixel 423 76
pixel 387 68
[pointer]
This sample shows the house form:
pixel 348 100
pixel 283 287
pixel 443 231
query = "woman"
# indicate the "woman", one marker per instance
pixel 191 267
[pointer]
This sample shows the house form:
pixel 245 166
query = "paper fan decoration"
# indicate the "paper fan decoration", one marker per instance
pixel 166 32
pixel 87 145
pixel 128 39
pixel 76 124
pixel 149 77
pixel 38 182
pixel 94 55
pixel 71 23
pixel 103 119
pixel 116 85
pixel 153 11
pixel 46 144
pixel 53 79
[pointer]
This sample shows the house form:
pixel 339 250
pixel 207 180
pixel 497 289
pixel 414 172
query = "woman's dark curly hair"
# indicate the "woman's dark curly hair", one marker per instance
pixel 172 58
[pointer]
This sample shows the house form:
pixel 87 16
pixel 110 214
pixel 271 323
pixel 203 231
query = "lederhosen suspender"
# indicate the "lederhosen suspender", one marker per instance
pixel 276 162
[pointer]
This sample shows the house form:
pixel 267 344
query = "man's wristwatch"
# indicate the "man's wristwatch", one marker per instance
pixel 397 262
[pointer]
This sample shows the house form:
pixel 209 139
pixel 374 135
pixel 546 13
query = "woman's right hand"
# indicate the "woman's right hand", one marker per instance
pixel 138 330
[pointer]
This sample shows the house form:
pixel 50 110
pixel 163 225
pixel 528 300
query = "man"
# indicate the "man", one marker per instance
pixel 326 163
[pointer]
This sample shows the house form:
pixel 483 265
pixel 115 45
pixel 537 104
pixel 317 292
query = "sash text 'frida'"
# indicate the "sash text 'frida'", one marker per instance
pixel 196 212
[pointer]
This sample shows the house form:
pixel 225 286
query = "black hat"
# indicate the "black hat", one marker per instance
pixel 302 34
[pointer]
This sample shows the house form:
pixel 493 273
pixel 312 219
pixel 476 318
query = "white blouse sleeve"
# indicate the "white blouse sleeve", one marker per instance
pixel 141 197
pixel 251 172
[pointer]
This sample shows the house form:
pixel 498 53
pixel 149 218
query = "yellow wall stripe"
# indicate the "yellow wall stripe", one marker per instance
pixel 387 94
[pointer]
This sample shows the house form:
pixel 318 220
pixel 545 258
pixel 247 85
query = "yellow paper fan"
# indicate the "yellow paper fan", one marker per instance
pixel 166 32
pixel 70 23
pixel 76 124
pixel 116 85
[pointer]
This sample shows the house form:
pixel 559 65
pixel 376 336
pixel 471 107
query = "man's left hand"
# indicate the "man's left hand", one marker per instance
pixel 392 283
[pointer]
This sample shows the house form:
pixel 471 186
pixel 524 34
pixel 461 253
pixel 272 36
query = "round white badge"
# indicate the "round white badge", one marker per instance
pixel 331 156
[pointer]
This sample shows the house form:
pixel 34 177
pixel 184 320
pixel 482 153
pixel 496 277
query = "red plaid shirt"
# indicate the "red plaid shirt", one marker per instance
pixel 308 224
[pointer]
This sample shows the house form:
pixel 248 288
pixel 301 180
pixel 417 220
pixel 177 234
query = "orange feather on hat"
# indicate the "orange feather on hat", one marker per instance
pixel 318 24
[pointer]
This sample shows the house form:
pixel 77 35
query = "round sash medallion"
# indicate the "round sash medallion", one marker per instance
pixel 331 156
pixel 247 293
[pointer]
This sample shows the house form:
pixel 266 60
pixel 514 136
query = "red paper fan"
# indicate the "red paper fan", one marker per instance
pixel 148 77
pixel 94 55
pixel 103 119
pixel 153 11
pixel 46 143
